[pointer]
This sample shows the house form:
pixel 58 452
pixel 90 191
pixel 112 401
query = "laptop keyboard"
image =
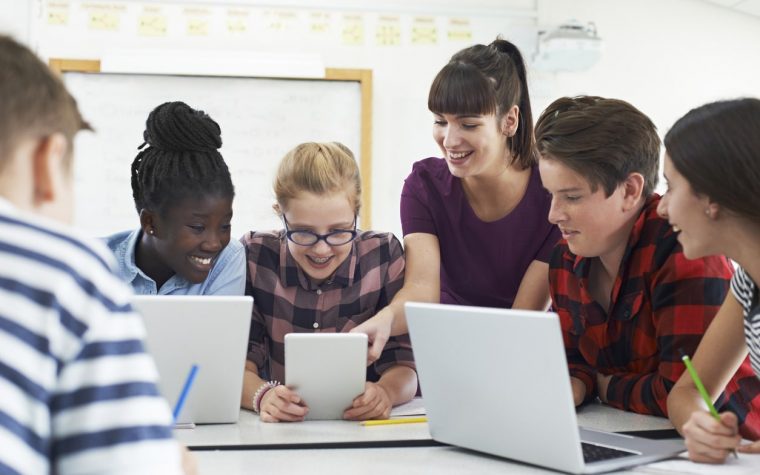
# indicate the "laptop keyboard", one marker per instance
pixel 595 453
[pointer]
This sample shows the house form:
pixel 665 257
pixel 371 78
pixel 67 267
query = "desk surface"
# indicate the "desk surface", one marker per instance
pixel 382 461
pixel 250 431
pixel 270 442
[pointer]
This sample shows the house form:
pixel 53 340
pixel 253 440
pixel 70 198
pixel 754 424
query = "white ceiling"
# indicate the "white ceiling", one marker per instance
pixel 751 7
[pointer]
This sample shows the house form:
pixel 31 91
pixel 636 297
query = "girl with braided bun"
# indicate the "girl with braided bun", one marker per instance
pixel 183 194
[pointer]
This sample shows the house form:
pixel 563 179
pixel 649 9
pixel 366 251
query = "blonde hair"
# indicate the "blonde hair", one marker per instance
pixel 318 168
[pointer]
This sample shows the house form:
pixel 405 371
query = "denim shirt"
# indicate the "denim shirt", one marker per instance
pixel 227 277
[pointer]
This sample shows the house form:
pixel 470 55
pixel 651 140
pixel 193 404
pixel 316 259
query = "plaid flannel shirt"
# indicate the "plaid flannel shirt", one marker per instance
pixel 287 301
pixel 661 303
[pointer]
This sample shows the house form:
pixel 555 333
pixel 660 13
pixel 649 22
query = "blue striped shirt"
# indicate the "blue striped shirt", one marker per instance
pixel 77 390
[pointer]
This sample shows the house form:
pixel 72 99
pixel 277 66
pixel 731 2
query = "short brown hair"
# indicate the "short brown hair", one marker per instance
pixel 318 168
pixel 488 80
pixel 716 147
pixel 33 101
pixel 604 140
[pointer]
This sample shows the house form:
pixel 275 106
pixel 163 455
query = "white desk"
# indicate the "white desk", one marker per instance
pixel 250 431
pixel 266 452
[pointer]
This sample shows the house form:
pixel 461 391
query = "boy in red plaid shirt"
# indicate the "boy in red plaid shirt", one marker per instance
pixel 627 298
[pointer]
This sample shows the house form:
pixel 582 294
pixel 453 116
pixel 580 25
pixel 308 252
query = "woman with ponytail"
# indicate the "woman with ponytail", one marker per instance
pixel 183 194
pixel 474 221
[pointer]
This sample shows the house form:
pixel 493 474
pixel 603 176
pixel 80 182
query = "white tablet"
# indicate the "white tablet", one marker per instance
pixel 327 370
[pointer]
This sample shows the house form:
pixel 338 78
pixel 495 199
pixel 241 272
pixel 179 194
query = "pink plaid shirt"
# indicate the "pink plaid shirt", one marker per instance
pixel 287 301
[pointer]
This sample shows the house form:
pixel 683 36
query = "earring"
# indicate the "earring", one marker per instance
pixel 707 212
pixel 150 231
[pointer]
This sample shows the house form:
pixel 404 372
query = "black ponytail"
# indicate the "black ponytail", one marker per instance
pixel 488 80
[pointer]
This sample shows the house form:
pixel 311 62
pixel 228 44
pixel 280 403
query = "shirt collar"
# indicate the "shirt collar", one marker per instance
pixel 131 271
pixel 291 273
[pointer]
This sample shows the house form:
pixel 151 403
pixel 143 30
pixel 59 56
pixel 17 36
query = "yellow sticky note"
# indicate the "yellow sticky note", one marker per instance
pixel 152 25
pixel 353 30
pixel 197 27
pixel 58 17
pixel 237 25
pixel 460 29
pixel 319 22
pixel 388 31
pixel 105 21
pixel 424 31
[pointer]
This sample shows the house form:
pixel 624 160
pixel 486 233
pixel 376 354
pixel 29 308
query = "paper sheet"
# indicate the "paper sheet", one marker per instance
pixel 414 407
pixel 744 464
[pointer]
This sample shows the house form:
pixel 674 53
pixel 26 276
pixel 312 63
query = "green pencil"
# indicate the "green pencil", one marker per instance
pixel 701 388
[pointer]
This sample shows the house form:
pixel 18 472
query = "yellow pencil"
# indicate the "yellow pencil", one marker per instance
pixel 404 420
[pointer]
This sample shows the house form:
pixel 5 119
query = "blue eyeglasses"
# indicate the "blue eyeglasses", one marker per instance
pixel 309 238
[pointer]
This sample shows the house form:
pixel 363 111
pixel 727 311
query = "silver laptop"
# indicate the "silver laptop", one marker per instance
pixel 210 331
pixel 497 381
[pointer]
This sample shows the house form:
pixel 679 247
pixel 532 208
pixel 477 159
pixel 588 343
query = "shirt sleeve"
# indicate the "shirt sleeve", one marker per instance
pixel 416 216
pixel 398 350
pixel 229 279
pixel 107 415
pixel 685 296
pixel 577 364
pixel 258 339
pixel 560 279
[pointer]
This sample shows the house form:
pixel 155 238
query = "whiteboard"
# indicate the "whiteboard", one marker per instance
pixel 261 119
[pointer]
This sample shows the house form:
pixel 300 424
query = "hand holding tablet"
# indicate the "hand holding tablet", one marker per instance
pixel 326 370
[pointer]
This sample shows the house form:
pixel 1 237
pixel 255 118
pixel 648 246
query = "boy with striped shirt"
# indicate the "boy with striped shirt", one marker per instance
pixel 78 390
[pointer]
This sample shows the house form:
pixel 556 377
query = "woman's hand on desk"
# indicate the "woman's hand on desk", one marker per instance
pixel 709 440
pixel 281 404
pixel 375 403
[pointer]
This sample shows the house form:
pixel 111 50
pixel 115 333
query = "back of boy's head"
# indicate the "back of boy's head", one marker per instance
pixel 716 147
pixel 603 140
pixel 488 80
pixel 34 103
pixel 320 169
pixel 181 159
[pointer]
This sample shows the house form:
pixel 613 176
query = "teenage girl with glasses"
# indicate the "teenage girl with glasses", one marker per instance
pixel 321 274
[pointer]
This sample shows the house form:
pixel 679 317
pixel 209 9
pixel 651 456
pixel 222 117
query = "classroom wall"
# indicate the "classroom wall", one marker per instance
pixel 664 57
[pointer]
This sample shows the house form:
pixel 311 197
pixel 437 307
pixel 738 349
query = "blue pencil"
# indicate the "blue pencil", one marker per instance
pixel 185 390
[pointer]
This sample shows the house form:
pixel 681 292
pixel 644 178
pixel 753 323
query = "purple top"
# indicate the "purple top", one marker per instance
pixel 482 263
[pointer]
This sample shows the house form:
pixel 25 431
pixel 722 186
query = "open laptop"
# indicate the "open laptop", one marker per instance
pixel 210 331
pixel 497 381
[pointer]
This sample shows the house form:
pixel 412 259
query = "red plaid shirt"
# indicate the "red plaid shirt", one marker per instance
pixel 661 303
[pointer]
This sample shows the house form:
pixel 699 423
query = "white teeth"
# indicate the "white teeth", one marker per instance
pixel 320 260
pixel 200 260
pixel 458 155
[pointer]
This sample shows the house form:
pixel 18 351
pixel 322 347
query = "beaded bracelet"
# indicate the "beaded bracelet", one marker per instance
pixel 259 394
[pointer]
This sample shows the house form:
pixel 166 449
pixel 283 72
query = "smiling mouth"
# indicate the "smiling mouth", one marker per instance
pixel 319 261
pixel 202 261
pixel 459 156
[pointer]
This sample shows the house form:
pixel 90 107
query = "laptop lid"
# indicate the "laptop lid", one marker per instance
pixel 210 331
pixel 496 381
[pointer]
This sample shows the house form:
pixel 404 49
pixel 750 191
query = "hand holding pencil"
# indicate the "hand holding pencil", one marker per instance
pixel 709 436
